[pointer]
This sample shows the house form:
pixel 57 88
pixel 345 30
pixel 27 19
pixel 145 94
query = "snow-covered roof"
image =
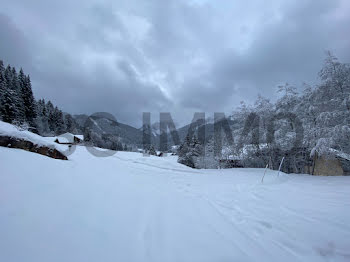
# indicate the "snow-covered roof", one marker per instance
pixel 340 154
pixel 65 138
pixel 7 129
pixel 81 137
pixel 324 151
pixel 68 138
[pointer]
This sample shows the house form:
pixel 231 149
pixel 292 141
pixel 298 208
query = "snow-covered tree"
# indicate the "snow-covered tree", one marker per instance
pixel 27 98
pixel 70 124
pixel 2 84
pixel 42 118
pixel 191 152
pixel 17 97
pixel 184 153
pixel 59 122
pixel 8 106
pixel 152 151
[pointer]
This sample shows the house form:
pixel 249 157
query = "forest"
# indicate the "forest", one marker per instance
pixel 298 126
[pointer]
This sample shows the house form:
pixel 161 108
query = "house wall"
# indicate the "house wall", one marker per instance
pixel 328 167
pixel 346 166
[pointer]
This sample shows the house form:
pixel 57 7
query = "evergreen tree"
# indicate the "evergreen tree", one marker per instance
pixel 8 98
pixel 185 154
pixel 42 118
pixel 59 127
pixel 2 83
pixel 49 107
pixel 194 154
pixel 152 151
pixel 50 110
pixel 17 97
pixel 8 108
pixel 114 145
pixel 2 68
pixel 27 98
pixel 87 136
pixel 8 76
pixel 70 123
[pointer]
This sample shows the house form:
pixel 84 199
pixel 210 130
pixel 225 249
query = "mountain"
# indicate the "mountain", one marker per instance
pixel 208 125
pixel 106 125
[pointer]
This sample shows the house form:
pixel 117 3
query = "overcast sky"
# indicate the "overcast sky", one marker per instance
pixel 133 56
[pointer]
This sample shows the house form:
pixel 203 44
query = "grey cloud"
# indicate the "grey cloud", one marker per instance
pixel 291 50
pixel 126 57
pixel 12 39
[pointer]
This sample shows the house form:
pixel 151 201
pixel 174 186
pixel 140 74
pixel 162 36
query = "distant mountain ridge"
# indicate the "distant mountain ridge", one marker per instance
pixel 130 135
pixel 102 125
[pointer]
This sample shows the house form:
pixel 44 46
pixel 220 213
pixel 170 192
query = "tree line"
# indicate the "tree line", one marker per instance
pixel 18 106
pixel 266 131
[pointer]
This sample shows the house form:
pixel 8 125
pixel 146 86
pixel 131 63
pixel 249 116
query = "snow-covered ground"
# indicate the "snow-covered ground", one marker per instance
pixel 128 207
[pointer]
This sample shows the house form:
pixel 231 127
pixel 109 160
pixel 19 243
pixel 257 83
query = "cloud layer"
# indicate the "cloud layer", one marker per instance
pixel 128 57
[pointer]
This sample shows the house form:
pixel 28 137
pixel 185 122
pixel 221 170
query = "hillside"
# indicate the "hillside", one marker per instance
pixel 108 125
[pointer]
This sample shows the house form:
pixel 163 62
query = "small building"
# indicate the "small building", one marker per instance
pixel 79 138
pixel 69 139
pixel 174 149
pixel 330 163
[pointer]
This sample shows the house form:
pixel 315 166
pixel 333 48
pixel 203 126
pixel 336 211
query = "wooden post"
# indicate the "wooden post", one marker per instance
pixel 262 180
pixel 279 169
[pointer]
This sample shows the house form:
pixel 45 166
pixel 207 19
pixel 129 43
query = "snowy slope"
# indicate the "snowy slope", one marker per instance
pixel 133 208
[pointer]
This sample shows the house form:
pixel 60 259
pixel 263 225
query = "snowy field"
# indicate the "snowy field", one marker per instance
pixel 133 208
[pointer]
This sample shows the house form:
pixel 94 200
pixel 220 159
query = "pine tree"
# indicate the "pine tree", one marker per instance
pixel 50 110
pixel 42 118
pixel 51 122
pixel 2 83
pixel 2 68
pixel 49 107
pixel 17 97
pixel 27 98
pixel 8 108
pixel 152 151
pixel 184 152
pixel 196 147
pixel 8 75
pixel 58 121
pixel 87 135
pixel 8 99
pixel 70 123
